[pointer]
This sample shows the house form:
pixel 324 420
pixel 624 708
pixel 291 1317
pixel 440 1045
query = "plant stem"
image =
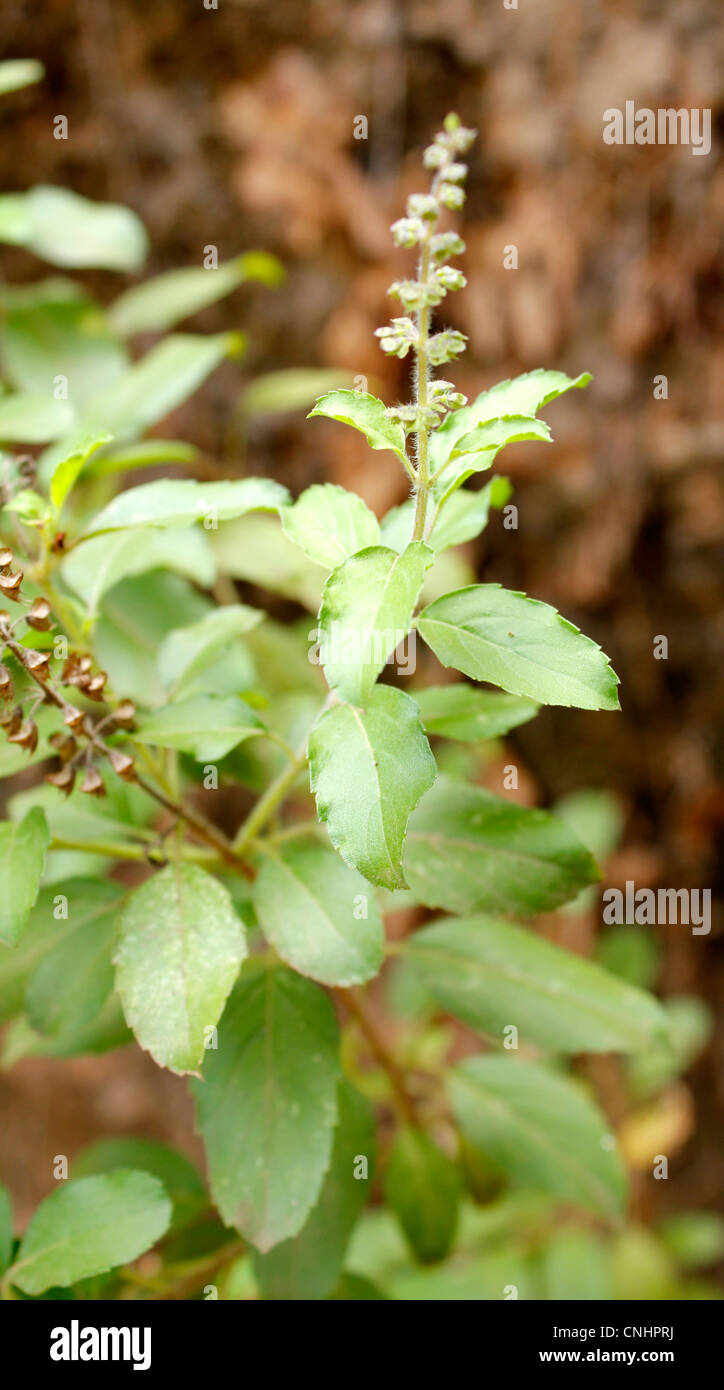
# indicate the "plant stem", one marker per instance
pixel 268 802
pixel 380 1051
pixel 421 382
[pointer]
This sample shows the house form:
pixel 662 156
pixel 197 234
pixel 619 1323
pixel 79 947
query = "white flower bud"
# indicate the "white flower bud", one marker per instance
pixel 423 205
pixel 446 244
pixel 451 196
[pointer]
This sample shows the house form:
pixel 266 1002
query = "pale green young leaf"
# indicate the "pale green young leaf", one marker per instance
pixel 162 302
pixel 19 72
pixel 256 549
pixel 206 726
pixel 148 390
pixel 366 611
pixel 267 1106
pixel 469 851
pixel 179 942
pixel 88 1226
pixel 319 916
pixel 308 1266
pixel 292 388
pixel 523 395
pixel 542 1129
pixel 491 974
pixel 68 230
pixel 329 524
pixel 69 986
pixel 365 413
pixel 460 711
pixel 94 567
pixel 54 329
pixel 423 1187
pixel 478 450
pixel 577 1266
pixel 28 417
pixel 69 469
pixel 23 846
pixel 188 649
pixel 525 646
pixel 147 453
pixel 181 1179
pixel 135 617
pixel 183 501
pixel 464 514
pixel 368 770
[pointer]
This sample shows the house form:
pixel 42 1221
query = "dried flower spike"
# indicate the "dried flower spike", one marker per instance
pixel 39 615
pixel 63 779
pixel 26 735
pixel 10 584
pixel 7 688
pixel 122 764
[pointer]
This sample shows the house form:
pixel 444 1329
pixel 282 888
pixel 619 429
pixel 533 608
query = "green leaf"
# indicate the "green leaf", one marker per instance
pixel 182 501
pixel 180 941
pixel 308 1266
pixel 577 1266
pixel 465 514
pixel 293 388
pixel 478 450
pixel 187 650
pixel 148 390
pixel 6 1209
pixel 423 1187
pixel 22 856
pixel 107 1031
pixel 182 1181
pixel 366 611
pixel 329 524
pixel 492 974
pixel 690 1026
pixel 33 418
pixel 365 413
pixel 161 303
pixel 493 634
pixel 320 916
pixel 523 395
pixel 147 453
pixel 135 618
pixel 542 1129
pixel 89 1226
pixel 70 985
pixel 207 726
pixel 94 567
pixel 255 548
pixel 69 469
pixel 368 770
pixel 19 72
pixel 54 329
pixel 462 712
pixel 470 851
pixel 68 230
pixel 267 1104
pixel 695 1238
pixel 631 954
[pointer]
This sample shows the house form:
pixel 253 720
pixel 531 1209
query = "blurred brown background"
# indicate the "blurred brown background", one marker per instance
pixel 235 127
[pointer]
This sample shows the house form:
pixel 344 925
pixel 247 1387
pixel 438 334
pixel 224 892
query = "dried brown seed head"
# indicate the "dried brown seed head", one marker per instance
pixel 6 559
pixel 122 763
pixel 124 714
pixel 37 663
pixel 39 615
pixel 73 717
pixel 11 719
pixel 94 686
pixel 10 584
pixel 93 782
pixel 65 744
pixel 26 735
pixel 7 688
pixel 64 779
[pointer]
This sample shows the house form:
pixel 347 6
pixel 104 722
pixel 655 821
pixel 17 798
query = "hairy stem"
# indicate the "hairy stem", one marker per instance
pixel 421 381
